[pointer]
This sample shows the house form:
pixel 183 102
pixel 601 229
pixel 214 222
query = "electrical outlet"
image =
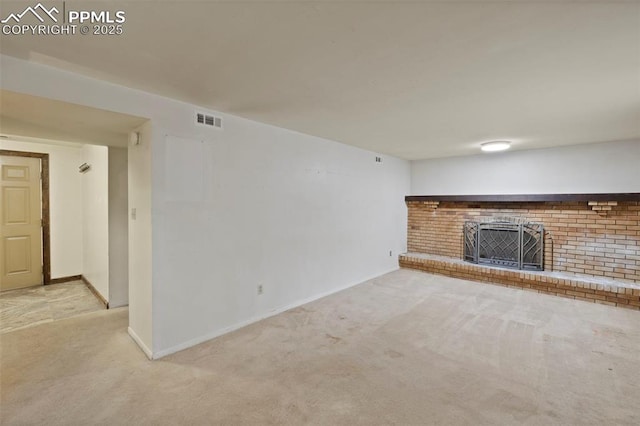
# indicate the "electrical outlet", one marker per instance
pixel 260 289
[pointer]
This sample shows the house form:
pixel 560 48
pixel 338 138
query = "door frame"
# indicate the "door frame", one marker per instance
pixel 46 228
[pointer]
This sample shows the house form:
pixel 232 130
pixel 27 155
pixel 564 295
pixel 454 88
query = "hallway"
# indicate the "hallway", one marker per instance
pixel 43 304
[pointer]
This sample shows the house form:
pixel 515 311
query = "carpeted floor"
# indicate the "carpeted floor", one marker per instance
pixel 407 348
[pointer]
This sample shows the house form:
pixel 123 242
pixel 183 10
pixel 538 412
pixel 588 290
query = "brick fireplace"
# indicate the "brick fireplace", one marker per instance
pixel 591 242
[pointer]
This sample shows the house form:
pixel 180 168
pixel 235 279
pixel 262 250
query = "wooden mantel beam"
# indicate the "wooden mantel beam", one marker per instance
pixel 528 198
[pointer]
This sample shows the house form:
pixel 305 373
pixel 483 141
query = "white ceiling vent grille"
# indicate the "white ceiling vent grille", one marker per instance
pixel 203 119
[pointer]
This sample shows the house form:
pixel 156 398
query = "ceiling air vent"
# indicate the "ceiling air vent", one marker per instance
pixel 208 120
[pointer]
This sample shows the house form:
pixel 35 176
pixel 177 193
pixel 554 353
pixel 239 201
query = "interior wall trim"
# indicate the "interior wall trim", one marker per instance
pixel 65 279
pixel 95 292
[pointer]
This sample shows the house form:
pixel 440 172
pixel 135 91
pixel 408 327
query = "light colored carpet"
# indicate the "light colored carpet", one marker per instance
pixel 407 348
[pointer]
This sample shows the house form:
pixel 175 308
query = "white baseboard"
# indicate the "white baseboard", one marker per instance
pixel 139 342
pixel 189 343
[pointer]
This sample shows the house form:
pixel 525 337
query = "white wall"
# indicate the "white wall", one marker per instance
pixel 95 224
pixel 301 215
pixel 65 197
pixel 140 242
pixel 592 168
pixel 118 228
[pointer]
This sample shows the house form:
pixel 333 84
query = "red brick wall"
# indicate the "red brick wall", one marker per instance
pixel 578 239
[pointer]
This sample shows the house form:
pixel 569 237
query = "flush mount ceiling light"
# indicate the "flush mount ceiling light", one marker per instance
pixel 495 146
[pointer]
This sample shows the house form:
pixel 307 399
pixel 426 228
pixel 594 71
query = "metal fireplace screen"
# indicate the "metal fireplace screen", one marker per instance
pixel 506 244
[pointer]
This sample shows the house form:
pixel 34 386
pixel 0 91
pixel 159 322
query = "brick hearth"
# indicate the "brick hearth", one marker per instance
pixel 589 289
pixel 592 249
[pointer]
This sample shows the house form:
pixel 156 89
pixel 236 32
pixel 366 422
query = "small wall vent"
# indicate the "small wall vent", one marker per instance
pixel 203 119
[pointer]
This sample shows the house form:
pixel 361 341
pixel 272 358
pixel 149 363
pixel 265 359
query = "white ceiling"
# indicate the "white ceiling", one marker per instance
pixel 35 117
pixel 417 80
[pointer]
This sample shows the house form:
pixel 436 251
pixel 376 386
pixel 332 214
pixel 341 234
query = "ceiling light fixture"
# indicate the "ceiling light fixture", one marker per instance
pixel 495 146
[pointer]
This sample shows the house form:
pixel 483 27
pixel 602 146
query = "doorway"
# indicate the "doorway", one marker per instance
pixel 25 254
pixel 58 125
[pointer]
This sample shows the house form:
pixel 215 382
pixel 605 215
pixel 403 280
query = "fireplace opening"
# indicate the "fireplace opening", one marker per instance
pixel 505 244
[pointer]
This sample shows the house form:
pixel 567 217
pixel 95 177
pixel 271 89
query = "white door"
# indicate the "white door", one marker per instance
pixel 21 222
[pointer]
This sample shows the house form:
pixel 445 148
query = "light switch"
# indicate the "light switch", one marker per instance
pixel 133 214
